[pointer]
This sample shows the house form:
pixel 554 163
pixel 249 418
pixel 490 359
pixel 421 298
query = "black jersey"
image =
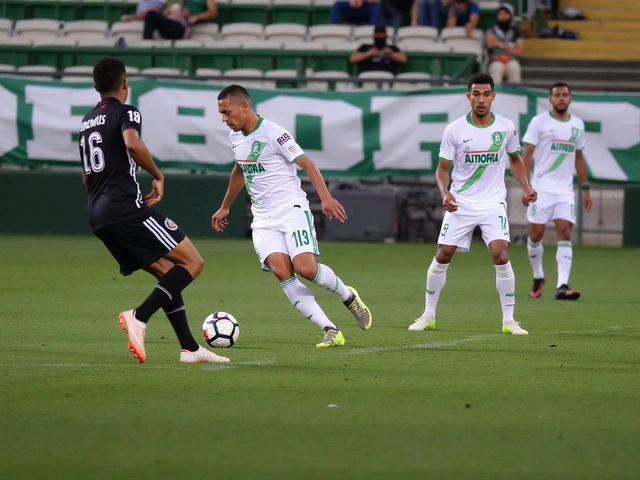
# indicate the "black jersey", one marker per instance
pixel 114 192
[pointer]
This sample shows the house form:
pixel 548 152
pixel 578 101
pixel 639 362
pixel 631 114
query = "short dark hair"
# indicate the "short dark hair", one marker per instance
pixel 559 84
pixel 236 92
pixel 108 74
pixel 480 79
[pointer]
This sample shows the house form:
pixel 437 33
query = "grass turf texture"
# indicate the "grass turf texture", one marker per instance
pixel 463 401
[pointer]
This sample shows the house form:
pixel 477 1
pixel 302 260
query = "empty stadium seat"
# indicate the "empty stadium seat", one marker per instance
pixel 7 68
pixel 127 30
pixel 323 86
pixel 224 44
pixel 419 83
pixel 423 33
pixel 329 33
pixel 95 42
pixel 255 75
pixel 291 11
pixel 304 46
pixel 17 41
pixel 38 69
pixel 6 25
pixel 419 45
pixel 346 47
pixel 374 78
pixel 170 72
pixel 262 45
pixel 208 72
pixel 140 43
pixel 204 31
pixel 364 33
pixel 86 29
pixel 189 43
pixel 62 42
pixel 285 32
pixel 82 73
pixel 460 32
pixel 466 45
pixel 251 11
pixel 37 29
pixel 242 32
pixel 283 73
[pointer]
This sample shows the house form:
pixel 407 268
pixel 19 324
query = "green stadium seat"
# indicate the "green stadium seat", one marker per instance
pixel 255 56
pixel 43 9
pixel 15 10
pixel 93 10
pixel 246 72
pixel 291 11
pixel 117 8
pixel 320 14
pixel 251 11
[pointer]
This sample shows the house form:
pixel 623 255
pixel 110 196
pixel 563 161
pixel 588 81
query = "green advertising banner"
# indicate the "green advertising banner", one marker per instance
pixel 348 134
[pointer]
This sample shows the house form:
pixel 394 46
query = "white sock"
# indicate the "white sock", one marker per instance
pixel 536 250
pixel 330 281
pixel 506 285
pixel 436 278
pixel 564 257
pixel 302 298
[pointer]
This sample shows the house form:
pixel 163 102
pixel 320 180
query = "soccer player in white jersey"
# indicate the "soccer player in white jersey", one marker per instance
pixel 557 138
pixel 478 145
pixel 283 233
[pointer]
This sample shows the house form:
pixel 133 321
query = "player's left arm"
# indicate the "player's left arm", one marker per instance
pixel 581 172
pixel 520 173
pixel 330 206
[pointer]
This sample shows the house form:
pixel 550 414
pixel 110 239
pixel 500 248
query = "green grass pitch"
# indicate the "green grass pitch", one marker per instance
pixel 461 402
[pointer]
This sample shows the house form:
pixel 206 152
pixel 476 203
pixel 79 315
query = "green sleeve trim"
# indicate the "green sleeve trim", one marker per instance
pixel 298 158
pixel 527 143
pixel 512 153
pixel 446 159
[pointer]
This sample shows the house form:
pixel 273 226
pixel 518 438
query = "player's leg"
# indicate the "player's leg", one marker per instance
pixel 495 233
pixel 564 218
pixel 455 233
pixel 537 216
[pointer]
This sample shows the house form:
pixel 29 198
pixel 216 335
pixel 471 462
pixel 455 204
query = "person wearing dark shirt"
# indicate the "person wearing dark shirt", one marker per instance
pixel 137 236
pixel 464 13
pixel 380 56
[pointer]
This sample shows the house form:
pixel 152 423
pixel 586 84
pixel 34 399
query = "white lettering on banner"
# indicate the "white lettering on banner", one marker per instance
pixel 402 133
pixel 52 122
pixel 619 129
pixel 341 123
pixel 8 121
pixel 197 136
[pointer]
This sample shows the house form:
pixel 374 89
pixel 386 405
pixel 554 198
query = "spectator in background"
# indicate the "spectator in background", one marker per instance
pixel 380 56
pixel 428 14
pixel 355 11
pixel 504 46
pixel 143 7
pixel 398 13
pixel 176 21
pixel 464 13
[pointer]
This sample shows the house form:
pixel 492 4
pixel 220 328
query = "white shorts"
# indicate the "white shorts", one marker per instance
pixel 290 232
pixel 457 227
pixel 551 206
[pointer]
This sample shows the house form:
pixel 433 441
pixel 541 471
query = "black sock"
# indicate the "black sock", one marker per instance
pixel 169 286
pixel 175 312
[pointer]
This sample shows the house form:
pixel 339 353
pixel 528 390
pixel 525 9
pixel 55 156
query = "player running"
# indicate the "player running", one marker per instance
pixel 137 236
pixel 283 233
pixel 557 138
pixel 477 145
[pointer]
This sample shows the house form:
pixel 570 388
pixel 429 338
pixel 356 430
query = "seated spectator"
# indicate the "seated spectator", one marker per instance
pixel 464 13
pixel 142 8
pixel 398 13
pixel 355 11
pixel 379 56
pixel 428 14
pixel 504 46
pixel 176 21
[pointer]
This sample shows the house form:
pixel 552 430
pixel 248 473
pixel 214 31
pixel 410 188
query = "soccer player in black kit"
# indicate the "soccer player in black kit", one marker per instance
pixel 137 236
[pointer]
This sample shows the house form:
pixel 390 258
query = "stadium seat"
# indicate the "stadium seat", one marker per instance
pixel 127 30
pixel 304 46
pixel 140 43
pixel 17 41
pixel 86 29
pixel 280 73
pixel 291 11
pixel 6 25
pixel 95 42
pixel 208 72
pixel 342 46
pixel 459 32
pixel 329 33
pixel 417 85
pixel 45 69
pixel 363 34
pixel 170 72
pixel 426 34
pixel 37 28
pixel 254 74
pixel 83 73
pixel 262 45
pixel 251 11
pixel 324 85
pixel 374 78
pixel 419 45
pixel 466 45
pixel 242 32
pixel 223 44
pixel 285 32
pixel 204 31
pixel 7 68
pixel 320 14
pixel 54 42
pixel 189 43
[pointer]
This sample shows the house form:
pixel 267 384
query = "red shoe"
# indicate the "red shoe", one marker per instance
pixel 536 289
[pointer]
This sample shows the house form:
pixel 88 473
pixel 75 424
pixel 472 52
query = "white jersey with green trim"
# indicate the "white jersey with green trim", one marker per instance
pixel 267 156
pixel 556 142
pixel 479 156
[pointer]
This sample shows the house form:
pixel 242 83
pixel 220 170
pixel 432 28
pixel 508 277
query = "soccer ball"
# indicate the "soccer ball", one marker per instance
pixel 220 329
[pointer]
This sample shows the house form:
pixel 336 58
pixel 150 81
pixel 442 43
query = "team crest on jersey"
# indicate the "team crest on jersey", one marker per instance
pixel 255 148
pixel 497 138
pixel 575 132
pixel 170 224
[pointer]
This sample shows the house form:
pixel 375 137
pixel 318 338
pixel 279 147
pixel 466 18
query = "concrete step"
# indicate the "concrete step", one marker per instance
pixel 554 48
pixel 582 4
pixel 585 55
pixel 591 25
pixel 584 64
pixel 627 75
pixel 610 14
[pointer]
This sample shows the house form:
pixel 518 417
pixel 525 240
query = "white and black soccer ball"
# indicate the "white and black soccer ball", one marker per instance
pixel 221 330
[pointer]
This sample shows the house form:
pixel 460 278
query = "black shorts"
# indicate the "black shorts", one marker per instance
pixel 140 241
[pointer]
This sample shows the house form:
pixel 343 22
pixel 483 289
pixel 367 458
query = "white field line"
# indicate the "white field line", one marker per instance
pixel 347 351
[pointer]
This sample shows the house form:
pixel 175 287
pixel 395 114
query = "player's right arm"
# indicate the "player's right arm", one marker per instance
pixel 140 154
pixel 442 180
pixel 236 183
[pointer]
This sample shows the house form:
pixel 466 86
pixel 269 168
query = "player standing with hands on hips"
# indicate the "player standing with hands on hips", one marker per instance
pixel 283 233
pixel 478 145
pixel 137 236
pixel 557 138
